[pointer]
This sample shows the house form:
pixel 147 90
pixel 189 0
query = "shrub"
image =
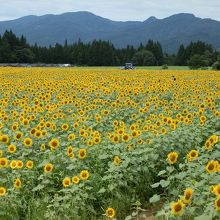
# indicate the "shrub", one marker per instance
pixel 216 65
pixel 164 67
pixel 197 61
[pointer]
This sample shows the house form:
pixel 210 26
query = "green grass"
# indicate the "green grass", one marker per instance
pixel 140 67
pixel 159 67
pixel 137 67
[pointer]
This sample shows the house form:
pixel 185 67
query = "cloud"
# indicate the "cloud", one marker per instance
pixel 112 9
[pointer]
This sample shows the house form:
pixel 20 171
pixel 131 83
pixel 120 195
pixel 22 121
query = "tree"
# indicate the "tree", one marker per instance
pixel 181 56
pixel 144 58
pixel 216 65
pixel 170 60
pixel 25 55
pixel 197 61
pixel 15 49
pixel 156 49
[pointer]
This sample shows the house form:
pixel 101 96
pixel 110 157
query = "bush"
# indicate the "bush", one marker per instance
pixel 216 65
pixel 197 61
pixel 164 67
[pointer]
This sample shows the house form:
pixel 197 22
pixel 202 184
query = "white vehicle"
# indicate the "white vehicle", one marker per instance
pixel 128 66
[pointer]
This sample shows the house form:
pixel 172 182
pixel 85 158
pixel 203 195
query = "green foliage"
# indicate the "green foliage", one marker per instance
pixel 185 54
pixel 164 67
pixel 198 61
pixel 144 58
pixel 216 65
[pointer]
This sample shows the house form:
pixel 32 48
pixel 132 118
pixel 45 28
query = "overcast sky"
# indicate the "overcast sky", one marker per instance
pixel 120 10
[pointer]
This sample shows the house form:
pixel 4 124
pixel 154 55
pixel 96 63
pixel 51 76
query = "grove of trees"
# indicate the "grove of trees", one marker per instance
pixel 15 49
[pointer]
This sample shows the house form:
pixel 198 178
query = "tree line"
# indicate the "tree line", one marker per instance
pixel 15 49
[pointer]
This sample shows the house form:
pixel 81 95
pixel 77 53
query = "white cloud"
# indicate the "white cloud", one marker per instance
pixel 113 9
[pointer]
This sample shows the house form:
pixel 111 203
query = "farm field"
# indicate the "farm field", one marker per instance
pixel 142 67
pixel 99 144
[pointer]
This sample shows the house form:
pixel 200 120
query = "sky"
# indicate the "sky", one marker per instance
pixel 118 10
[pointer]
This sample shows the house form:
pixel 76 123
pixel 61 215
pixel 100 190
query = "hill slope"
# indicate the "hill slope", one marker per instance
pixel 171 31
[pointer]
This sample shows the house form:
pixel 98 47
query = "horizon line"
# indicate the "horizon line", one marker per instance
pixel 59 14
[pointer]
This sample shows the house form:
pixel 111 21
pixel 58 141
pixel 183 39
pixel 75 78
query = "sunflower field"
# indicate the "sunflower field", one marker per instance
pixel 81 144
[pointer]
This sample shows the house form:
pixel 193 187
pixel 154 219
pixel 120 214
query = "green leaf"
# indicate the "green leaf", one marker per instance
pixel 164 183
pixel 103 156
pixel 102 190
pixel 155 185
pixel 111 187
pixel 170 169
pixel 155 198
pixel 161 172
pixel 37 188
pixel 203 217
pixel 70 167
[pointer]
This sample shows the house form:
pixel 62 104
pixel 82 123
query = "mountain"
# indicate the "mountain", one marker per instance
pixel 170 32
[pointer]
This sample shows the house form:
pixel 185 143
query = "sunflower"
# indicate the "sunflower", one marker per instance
pixel 89 143
pixel 18 135
pixel 20 164
pixel 192 155
pixel 65 127
pixel 163 131
pixel 82 153
pixel 71 137
pixel 3 162
pixel 14 127
pixel 38 134
pixel 75 179
pixel 29 164
pixel 48 168
pixel 69 150
pixel 110 213
pixel 213 139
pixel 11 149
pixel 96 140
pixel 2 191
pixel 120 131
pixel 217 204
pixel 84 175
pixel 216 190
pixel 4 139
pixel 54 144
pixel 172 157
pixel 28 142
pixel 13 164
pixel 211 166
pixel 82 132
pixel 177 208
pixel 117 160
pixel 202 118
pixel 134 134
pixel 115 138
pixel 125 137
pixel 17 183
pixel 187 195
pixel 42 147
pixel 208 145
pixel 148 141
pixel 66 182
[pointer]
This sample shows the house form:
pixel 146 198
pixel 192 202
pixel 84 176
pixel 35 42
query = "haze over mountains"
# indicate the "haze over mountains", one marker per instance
pixel 170 32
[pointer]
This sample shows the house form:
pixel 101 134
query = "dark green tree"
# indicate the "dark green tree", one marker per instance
pixel 181 56
pixel 144 58
pixel 197 61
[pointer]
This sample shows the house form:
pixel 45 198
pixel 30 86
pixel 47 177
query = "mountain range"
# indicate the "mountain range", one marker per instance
pixel 170 32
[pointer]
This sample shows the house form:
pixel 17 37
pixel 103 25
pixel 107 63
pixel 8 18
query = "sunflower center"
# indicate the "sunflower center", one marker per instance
pixel 178 207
